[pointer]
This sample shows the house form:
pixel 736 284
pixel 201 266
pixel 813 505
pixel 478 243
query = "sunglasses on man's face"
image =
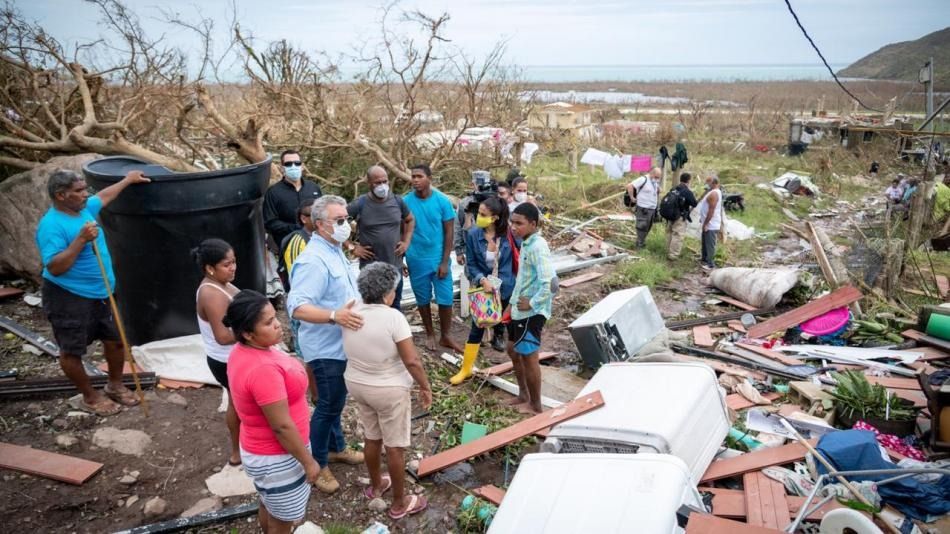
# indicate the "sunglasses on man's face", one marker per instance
pixel 341 221
pixel 293 163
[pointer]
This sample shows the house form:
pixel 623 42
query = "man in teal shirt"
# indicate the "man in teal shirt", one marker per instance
pixel 75 298
pixel 428 256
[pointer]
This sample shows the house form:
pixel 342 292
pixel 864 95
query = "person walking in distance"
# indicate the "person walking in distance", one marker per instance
pixel 710 216
pixel 645 191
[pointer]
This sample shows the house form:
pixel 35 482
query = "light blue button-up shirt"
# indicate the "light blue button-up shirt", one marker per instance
pixel 321 276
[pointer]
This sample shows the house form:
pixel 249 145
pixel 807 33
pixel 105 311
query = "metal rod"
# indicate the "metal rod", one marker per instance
pixel 118 322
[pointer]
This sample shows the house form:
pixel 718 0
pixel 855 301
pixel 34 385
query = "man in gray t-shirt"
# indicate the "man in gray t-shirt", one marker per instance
pixel 384 224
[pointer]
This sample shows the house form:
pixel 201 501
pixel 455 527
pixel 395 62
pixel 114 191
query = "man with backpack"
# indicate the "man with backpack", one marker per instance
pixel 384 225
pixel 645 193
pixel 675 208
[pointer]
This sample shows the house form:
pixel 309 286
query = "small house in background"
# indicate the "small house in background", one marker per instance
pixel 562 116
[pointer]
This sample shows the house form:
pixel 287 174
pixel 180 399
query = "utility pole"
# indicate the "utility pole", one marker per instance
pixel 926 77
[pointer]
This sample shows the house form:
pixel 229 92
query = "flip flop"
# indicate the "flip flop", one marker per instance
pixel 417 503
pixel 102 408
pixel 239 463
pixel 125 397
pixel 369 492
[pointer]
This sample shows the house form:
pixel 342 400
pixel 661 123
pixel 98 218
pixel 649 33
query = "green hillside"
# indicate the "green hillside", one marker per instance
pixel 902 61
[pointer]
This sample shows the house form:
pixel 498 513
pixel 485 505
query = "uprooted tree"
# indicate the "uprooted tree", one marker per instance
pixel 413 98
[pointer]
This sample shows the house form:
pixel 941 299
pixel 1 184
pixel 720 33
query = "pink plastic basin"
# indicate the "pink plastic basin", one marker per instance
pixel 828 323
pixel 641 163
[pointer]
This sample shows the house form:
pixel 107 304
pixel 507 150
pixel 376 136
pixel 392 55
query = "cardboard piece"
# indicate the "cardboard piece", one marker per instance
pixel 47 464
pixel 515 432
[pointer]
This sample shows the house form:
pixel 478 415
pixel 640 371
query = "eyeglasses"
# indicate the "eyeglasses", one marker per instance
pixel 293 163
pixel 341 221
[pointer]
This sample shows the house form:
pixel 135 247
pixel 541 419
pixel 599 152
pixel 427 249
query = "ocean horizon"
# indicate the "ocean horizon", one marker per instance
pixel 675 73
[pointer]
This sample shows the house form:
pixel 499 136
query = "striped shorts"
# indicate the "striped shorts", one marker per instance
pixel 281 483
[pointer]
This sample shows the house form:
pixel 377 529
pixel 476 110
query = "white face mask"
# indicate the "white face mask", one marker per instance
pixel 381 190
pixel 521 197
pixel 341 232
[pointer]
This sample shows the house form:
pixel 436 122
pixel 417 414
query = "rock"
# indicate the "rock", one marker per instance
pixel 414 466
pixel 176 398
pixel 230 482
pixel 128 480
pixel 23 200
pixel 65 441
pixel 378 505
pixel 151 396
pixel 132 442
pixel 208 504
pixel 155 506
pixel 34 407
pixel 455 474
pixel 60 424
pixel 308 528
pixel 134 474
pixel 77 415
pixel 26 347
pixel 131 500
pixel 32 300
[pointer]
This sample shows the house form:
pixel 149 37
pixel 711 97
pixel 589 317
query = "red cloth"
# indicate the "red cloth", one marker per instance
pixel 261 377
pixel 892 442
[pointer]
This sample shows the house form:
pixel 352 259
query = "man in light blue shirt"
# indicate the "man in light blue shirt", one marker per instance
pixel 322 294
pixel 75 298
pixel 428 256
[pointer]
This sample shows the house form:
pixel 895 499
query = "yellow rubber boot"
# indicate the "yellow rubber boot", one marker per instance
pixel 468 361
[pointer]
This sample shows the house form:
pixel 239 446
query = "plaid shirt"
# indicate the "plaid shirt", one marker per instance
pixel 535 272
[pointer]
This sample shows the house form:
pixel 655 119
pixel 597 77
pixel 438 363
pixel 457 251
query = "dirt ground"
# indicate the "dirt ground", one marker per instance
pixel 188 442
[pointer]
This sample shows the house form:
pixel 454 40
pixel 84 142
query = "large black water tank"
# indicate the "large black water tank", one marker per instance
pixel 151 228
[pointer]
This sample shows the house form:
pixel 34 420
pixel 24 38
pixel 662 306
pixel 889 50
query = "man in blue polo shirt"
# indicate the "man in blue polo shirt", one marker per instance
pixel 74 294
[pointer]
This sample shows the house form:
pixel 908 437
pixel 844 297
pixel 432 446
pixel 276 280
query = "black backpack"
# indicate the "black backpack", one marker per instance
pixel 671 207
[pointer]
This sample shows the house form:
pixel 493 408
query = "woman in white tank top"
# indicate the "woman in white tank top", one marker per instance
pixel 215 258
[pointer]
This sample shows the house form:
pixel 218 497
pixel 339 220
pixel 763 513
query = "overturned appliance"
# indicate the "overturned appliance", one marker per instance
pixel 603 493
pixel 617 327
pixel 665 408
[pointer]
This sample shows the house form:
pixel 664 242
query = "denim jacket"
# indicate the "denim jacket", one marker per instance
pixel 476 267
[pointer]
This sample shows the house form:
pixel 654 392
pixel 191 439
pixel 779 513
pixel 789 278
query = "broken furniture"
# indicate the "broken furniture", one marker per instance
pixel 836 299
pixel 602 493
pixel 617 327
pixel 663 408
pixel 938 403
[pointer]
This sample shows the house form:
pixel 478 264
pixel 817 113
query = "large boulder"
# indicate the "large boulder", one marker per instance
pixel 23 200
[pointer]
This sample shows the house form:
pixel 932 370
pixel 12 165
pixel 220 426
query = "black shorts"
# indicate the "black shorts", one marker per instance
pixel 525 334
pixel 220 372
pixel 77 321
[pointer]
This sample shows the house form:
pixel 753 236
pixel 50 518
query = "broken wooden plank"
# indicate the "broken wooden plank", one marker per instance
pixel 895 383
pixel 943 285
pixel 730 503
pixel 689 323
pixel 492 494
pixel 495 440
pixel 754 461
pixel 765 501
pixel 737 326
pixel 506 367
pixel 779 500
pixel 710 524
pixel 9 292
pixel 735 302
pixel 836 299
pixel 47 464
pixel 921 337
pixel 752 499
pixel 580 279
pixel 770 354
pixel 738 402
pixel 703 337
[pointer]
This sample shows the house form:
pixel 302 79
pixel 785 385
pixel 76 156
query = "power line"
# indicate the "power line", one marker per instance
pixel 823 60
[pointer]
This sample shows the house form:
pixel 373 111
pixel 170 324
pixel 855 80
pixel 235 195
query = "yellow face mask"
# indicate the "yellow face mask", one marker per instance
pixel 483 222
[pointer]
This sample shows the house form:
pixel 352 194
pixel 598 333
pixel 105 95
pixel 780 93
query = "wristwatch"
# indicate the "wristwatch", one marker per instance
pixel 333 317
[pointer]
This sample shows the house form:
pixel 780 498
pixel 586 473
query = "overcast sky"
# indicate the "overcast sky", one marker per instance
pixel 560 32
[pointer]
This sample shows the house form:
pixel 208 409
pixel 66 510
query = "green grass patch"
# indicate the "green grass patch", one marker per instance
pixel 341 528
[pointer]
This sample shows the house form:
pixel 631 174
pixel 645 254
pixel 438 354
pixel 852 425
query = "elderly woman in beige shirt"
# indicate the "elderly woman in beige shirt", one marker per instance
pixel 382 364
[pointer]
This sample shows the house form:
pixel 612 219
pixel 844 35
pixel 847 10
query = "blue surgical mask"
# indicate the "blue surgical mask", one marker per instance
pixel 381 190
pixel 293 173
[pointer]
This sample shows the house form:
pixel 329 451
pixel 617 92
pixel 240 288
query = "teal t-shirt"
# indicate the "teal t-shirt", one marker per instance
pixel 430 213
pixel 54 234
